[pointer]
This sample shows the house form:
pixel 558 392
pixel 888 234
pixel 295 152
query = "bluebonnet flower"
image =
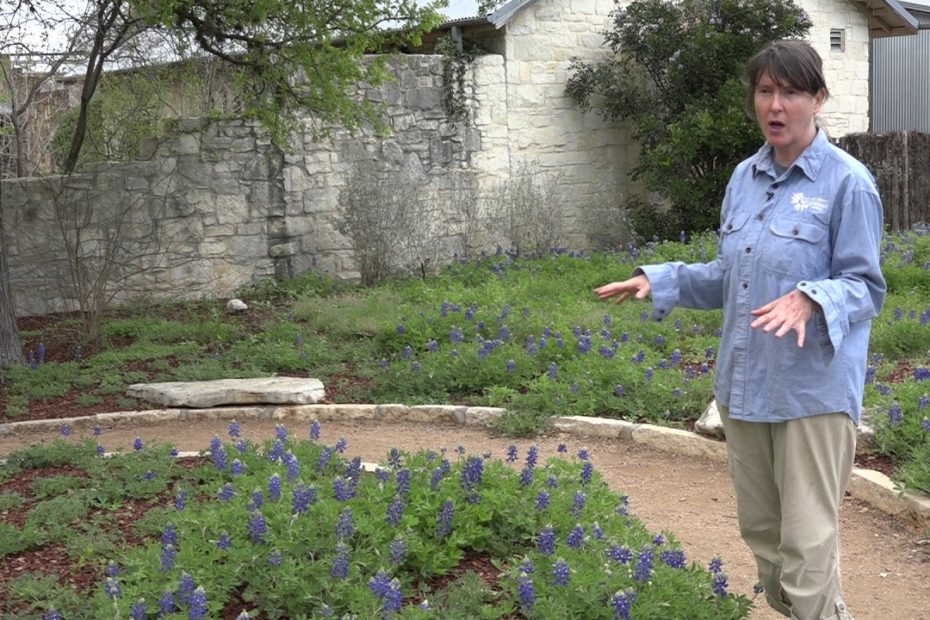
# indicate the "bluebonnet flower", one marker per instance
pixel 898 313
pixel 644 561
pixel 606 353
pixel 923 402
pixel 472 473
pixel 219 458
pixel 576 537
pixel 403 481
pixel 398 552
pixel 275 559
pixel 233 429
pixel 526 476
pixel 560 572
pixel 415 366
pixel 137 445
pixel 223 542
pixel 66 430
pixel 622 508
pixel 884 390
pixel 587 471
pixel 597 531
pixel 274 487
pixel 709 353
pixel 578 503
pixel 112 569
pixel 894 414
pixel 715 565
pixel 225 493
pixel 167 603
pixel 408 352
pixel 342 489
pixel 673 558
pixel 52 614
pixel 503 333
pixel 532 456
pixel 511 365
pixel 139 611
pixel 511 453
pixel 562 448
pixel 559 341
pixel 527 592
pixel 542 500
pixel 432 346
pixel 675 358
pixel 621 603
pixel 257 528
pixel 324 459
pixel 639 357
pixel 150 475
pixel 552 481
pixel 180 500
pixel 169 536
pixel 401 330
pixel 276 452
pixel 643 316
pixel 395 511
pixel 526 312
pixel 624 337
pixel 618 390
pixel 444 519
pixel 620 554
pixel 257 500
pixel 720 584
pixel 280 432
pixel 648 374
pixel 584 344
pixel 340 568
pixel 384 363
pixel 436 478
pixel 705 369
pixel 658 540
pixel 242 447
pixel 198 605
pixel 527 567
pixel 660 340
pixel 186 588
pixel 314 430
pixel 215 443
pixel 98 431
pixel 345 527
pixel 574 388
pixel 112 588
pixel 470 313
pixel 341 445
pixel 922 374
pixel 456 335
pixel 168 555
pixel 925 424
pixel 237 468
pixel 302 497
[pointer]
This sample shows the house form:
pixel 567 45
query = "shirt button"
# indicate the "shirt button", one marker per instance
pixel 748 250
pixel 729 226
pixel 796 231
pixel 813 291
pixel 760 217
pixel 745 285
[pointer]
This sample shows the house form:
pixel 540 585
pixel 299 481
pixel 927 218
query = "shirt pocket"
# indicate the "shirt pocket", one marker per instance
pixel 729 236
pixel 797 248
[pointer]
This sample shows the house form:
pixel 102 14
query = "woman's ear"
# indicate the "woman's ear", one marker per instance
pixel 819 99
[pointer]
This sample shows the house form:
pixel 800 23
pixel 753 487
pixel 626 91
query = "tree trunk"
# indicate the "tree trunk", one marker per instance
pixel 11 349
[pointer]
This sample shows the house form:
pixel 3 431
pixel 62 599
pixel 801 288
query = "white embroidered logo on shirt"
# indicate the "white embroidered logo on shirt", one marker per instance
pixel 805 203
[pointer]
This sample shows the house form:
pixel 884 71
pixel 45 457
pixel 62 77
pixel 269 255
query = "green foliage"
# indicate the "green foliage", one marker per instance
pixel 287 567
pixel 674 74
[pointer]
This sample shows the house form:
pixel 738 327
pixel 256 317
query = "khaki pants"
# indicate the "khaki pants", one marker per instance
pixel 790 478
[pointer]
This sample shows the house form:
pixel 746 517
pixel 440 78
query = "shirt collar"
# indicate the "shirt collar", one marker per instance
pixel 809 162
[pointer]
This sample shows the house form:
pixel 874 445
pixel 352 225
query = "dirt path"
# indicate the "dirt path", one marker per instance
pixel 886 566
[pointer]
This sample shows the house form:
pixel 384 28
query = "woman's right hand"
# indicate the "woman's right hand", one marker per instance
pixel 637 286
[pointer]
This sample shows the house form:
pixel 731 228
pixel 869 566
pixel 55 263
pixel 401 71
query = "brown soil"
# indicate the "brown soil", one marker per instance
pixel 886 564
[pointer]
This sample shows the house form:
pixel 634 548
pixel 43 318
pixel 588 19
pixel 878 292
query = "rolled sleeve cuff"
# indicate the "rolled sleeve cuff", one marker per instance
pixel 663 283
pixel 820 294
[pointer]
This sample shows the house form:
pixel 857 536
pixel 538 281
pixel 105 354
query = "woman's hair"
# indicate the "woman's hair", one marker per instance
pixel 789 62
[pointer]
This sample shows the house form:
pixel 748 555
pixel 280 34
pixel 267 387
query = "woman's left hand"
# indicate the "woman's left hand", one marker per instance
pixel 791 311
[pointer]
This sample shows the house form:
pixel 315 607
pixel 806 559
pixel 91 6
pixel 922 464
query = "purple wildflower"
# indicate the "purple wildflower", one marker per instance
pixel 444 519
pixel 715 565
pixel 894 414
pixel 168 555
pixel 198 605
pixel 257 528
pixel 341 445
pixel 587 471
pixel 274 487
pixel 720 584
pixel 137 445
pixel 403 481
pixel 644 561
pixel 395 511
pixel 223 542
pixel 560 572
pixel 66 430
pixel 622 602
pixel 302 497
pixel 527 592
pixel 526 476
pixel 345 527
pixel 314 430
pixel 576 537
pixel 226 492
pixel 546 543
pixel 139 611
pixel 180 500
pixel 398 552
pixel 542 500
pixel 340 569
pixel 275 559
pixel 673 558
pixel 578 504
pixel 620 554
pixel 112 588
pixel 167 603
pixel 233 429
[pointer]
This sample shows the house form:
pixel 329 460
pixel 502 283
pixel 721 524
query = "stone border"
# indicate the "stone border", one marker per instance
pixel 867 485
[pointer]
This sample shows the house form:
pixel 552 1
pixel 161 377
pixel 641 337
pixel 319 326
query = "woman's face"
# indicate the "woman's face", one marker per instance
pixel 786 117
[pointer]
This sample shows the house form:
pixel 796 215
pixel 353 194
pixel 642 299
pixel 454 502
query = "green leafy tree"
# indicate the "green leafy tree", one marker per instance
pixel 674 73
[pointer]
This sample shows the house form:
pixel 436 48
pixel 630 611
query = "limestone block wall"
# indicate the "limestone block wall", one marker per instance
pixel 199 218
pixel 591 155
pixel 847 71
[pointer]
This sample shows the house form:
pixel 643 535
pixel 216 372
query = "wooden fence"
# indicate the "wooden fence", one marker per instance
pixel 900 162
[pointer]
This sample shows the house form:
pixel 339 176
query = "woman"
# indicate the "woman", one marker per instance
pixel 798 252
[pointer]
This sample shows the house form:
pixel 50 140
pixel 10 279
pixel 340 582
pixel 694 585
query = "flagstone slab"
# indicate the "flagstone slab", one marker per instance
pixel 260 391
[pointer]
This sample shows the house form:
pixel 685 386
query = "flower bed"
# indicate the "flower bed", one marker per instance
pixel 292 529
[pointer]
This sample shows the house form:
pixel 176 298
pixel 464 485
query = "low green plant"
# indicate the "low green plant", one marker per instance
pixel 291 529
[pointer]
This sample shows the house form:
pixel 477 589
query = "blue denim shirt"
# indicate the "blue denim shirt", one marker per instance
pixel 817 228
